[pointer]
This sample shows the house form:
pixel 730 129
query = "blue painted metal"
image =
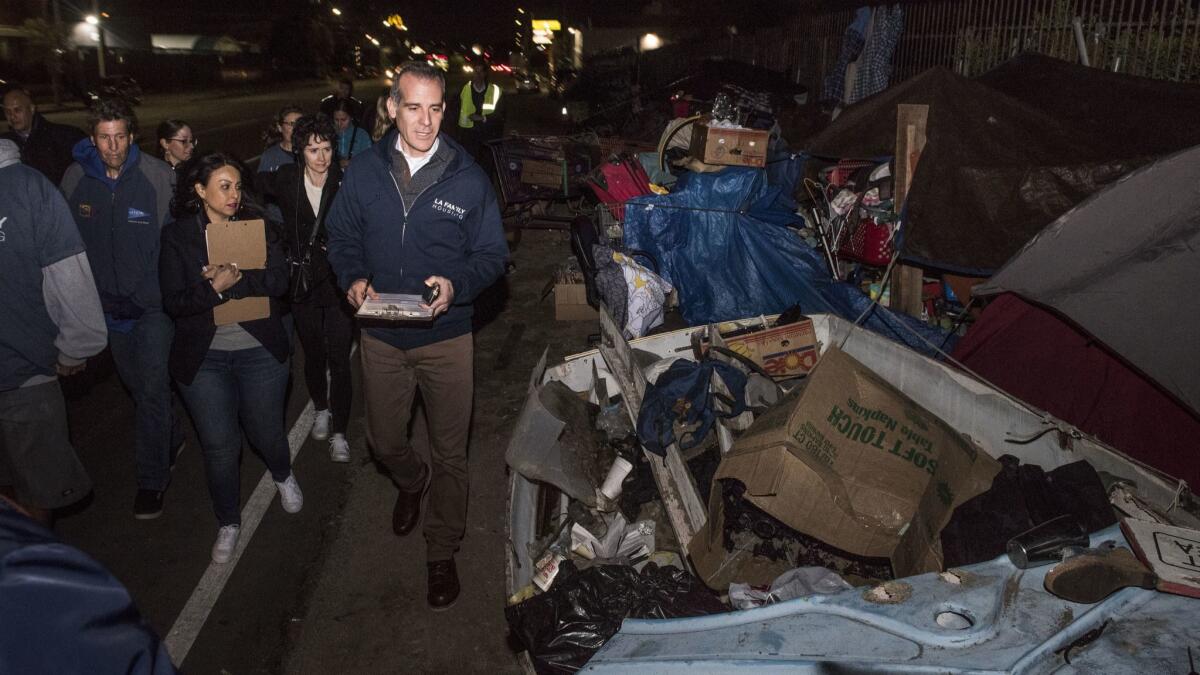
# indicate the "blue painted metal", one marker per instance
pixel 1016 627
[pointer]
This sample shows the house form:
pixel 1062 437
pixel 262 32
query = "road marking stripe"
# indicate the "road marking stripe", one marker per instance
pixel 189 622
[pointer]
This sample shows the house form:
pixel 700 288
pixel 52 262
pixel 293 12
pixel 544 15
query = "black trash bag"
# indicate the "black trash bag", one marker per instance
pixel 1021 497
pixel 564 627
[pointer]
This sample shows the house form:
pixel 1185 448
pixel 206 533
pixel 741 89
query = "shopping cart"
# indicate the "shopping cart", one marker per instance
pixel 538 178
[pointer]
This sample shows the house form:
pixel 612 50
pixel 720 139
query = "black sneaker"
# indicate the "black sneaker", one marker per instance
pixel 148 504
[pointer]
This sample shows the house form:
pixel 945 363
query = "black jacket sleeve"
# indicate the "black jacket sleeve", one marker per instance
pixel 184 291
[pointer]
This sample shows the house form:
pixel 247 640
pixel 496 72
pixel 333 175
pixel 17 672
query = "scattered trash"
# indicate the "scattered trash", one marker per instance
pixel 563 627
pixel 792 584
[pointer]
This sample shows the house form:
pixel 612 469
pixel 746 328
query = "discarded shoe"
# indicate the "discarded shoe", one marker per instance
pixel 443 584
pixel 1094 574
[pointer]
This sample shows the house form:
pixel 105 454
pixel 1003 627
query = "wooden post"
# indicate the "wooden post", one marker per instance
pixel 911 122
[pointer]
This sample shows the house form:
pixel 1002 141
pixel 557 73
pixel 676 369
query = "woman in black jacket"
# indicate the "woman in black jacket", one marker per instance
pixel 234 372
pixel 324 320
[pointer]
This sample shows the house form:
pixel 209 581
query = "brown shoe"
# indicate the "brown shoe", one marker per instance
pixel 1094 575
pixel 443 584
pixel 407 512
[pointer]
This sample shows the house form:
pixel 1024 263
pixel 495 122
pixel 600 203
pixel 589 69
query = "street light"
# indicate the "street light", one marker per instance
pixel 336 11
pixel 92 20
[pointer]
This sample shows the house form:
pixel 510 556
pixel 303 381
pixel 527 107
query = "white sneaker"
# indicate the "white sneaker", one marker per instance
pixel 320 429
pixel 289 494
pixel 227 539
pixel 339 449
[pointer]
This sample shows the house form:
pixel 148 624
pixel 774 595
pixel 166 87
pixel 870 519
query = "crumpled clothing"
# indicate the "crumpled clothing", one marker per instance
pixel 679 407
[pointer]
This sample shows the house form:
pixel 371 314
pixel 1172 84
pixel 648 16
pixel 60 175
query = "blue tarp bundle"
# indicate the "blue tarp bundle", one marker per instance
pixel 722 239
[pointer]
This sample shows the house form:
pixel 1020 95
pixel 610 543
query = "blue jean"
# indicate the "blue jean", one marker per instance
pixel 141 359
pixel 247 385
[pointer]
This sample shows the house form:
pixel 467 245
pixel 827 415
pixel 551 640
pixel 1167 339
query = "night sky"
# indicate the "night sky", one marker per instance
pixel 486 21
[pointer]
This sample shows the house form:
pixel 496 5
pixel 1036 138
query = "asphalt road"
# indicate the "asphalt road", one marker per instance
pixel 330 589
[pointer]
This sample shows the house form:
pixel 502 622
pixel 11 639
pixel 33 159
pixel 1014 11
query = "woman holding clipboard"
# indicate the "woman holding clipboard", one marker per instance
pixel 230 353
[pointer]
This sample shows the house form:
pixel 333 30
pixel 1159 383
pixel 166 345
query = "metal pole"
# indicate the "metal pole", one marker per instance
pixel 100 35
pixel 1077 23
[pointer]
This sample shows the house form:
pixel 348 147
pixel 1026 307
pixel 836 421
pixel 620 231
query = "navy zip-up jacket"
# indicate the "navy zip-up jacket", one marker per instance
pixel 453 230
pixel 121 223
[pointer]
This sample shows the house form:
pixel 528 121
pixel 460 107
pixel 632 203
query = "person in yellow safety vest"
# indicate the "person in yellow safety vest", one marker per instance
pixel 480 117
pixel 479 100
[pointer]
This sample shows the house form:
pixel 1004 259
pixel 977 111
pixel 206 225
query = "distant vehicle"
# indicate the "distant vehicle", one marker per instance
pixel 527 82
pixel 121 87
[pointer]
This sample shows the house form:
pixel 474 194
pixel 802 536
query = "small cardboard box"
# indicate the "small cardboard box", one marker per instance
pixel 730 146
pixel 855 463
pixel 785 351
pixel 570 303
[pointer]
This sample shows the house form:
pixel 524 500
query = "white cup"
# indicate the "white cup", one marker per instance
pixel 616 475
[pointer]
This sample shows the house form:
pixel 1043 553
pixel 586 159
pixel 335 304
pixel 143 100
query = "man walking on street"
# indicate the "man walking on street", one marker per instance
pixel 50 323
pixel 415 212
pixel 44 145
pixel 121 199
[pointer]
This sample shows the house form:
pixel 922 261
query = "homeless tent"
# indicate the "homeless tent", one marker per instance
pixel 1107 345
pixel 994 172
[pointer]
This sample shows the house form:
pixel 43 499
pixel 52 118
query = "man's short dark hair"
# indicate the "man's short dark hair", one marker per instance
pixel 111 110
pixel 420 70
pixel 15 86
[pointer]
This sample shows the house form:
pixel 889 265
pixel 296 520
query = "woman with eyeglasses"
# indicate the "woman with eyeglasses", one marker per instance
pixel 324 320
pixel 176 142
pixel 278 137
pixel 232 378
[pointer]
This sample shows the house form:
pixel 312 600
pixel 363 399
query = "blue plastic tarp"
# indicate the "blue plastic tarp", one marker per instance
pixel 723 240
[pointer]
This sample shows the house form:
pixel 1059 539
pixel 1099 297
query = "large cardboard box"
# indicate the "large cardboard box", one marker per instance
pixel 853 462
pixel 785 351
pixel 731 146
pixel 570 303
pixel 243 242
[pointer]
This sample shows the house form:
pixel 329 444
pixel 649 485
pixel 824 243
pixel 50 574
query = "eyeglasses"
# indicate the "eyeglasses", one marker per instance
pixel 186 141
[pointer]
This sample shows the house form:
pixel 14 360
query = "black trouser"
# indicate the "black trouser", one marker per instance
pixel 325 334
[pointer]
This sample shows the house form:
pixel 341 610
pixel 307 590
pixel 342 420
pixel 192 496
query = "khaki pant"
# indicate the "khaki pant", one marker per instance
pixel 445 373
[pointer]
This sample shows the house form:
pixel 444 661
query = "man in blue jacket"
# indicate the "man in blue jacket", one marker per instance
pixel 121 200
pixel 415 212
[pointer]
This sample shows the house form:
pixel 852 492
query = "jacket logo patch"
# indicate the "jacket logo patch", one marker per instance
pixel 85 210
pixel 135 213
pixel 449 209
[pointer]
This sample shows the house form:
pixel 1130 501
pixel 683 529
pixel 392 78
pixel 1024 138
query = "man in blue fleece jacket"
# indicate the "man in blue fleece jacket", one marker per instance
pixel 416 211
pixel 121 200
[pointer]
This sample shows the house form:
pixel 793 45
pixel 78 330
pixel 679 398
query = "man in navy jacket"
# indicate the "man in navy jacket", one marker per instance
pixel 121 200
pixel 417 212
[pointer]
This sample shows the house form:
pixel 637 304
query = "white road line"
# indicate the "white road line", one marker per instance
pixel 187 626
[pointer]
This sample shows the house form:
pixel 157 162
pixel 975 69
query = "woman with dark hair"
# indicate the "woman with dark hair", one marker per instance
pixel 176 142
pixel 278 138
pixel 324 320
pixel 351 138
pixel 231 373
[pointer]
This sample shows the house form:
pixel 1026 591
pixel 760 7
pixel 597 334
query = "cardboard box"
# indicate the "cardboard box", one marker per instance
pixel 570 303
pixel 243 242
pixel 855 463
pixel 544 173
pixel 786 351
pixel 730 146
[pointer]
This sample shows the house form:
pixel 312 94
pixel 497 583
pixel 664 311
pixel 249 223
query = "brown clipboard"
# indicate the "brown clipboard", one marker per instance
pixel 243 242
